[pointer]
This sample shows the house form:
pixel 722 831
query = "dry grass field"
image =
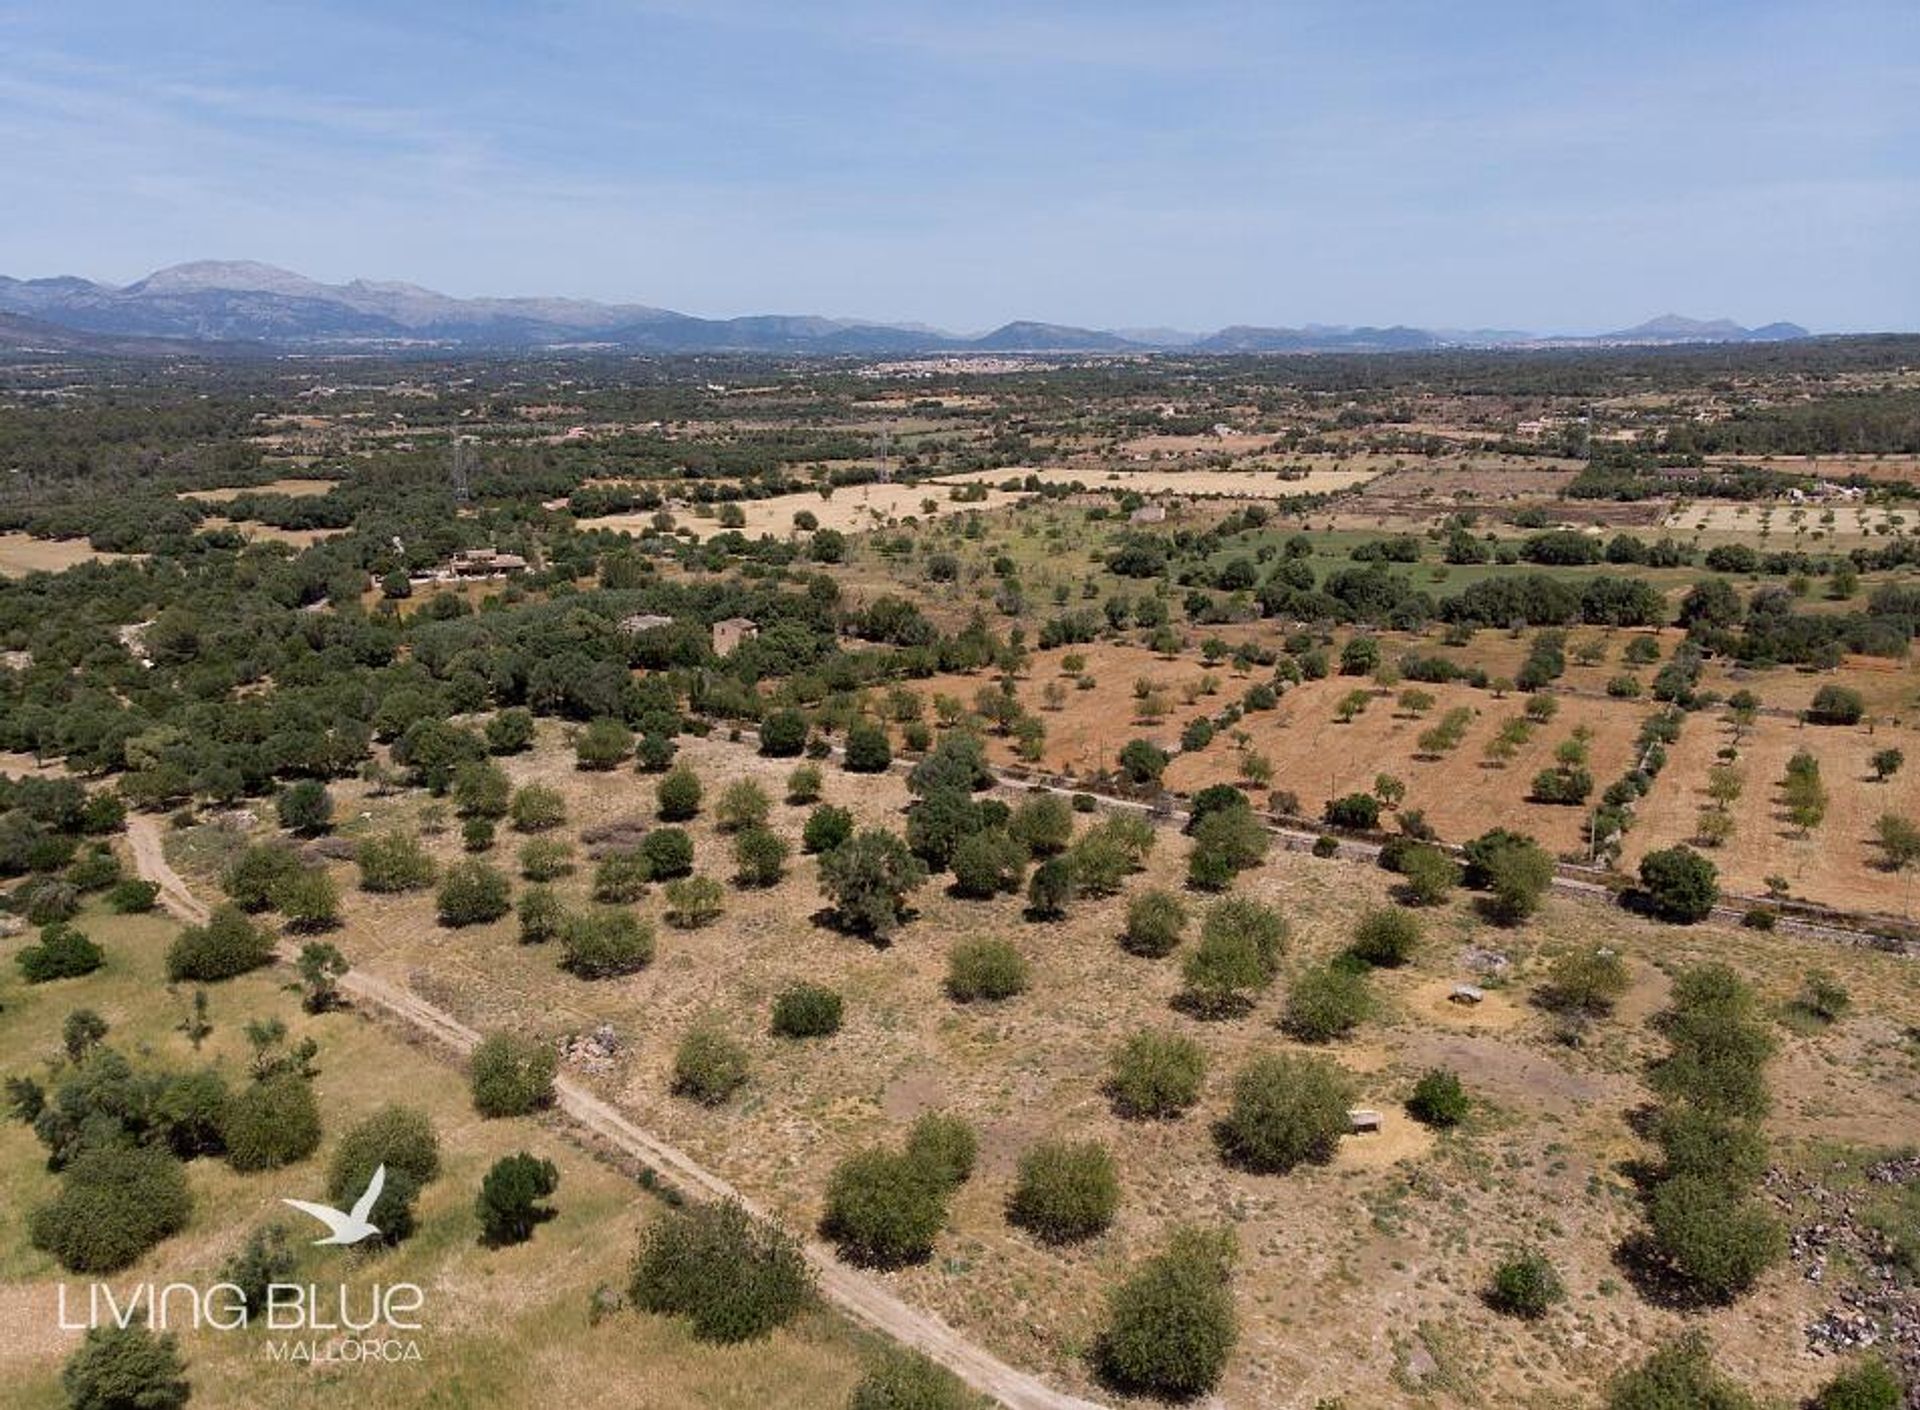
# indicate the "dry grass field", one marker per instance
pixel 293 486
pixel 21 554
pixel 501 1327
pixel 1230 484
pixel 851 509
pixel 1360 1279
pixel 1786 527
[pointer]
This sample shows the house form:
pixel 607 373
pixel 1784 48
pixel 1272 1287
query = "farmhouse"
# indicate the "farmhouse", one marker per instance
pixel 728 634
pixel 485 563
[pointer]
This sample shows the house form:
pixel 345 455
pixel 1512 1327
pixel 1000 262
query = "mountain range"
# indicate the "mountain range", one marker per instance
pixel 223 303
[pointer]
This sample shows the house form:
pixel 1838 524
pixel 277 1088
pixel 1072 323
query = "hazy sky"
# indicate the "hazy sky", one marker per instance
pixel 1533 164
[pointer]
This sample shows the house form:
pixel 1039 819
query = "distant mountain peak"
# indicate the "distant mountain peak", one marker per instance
pixel 1676 328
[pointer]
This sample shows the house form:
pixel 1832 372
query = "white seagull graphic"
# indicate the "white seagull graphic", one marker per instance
pixel 351 1227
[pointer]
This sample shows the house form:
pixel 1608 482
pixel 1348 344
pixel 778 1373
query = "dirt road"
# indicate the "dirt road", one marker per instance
pixel 854 1292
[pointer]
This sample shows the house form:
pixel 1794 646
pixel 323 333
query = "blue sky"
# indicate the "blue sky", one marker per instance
pixel 1539 165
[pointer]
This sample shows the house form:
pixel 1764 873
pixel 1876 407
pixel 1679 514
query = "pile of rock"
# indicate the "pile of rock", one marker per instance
pixel 595 1052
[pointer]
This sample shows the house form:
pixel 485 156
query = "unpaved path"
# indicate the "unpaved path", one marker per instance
pixel 854 1292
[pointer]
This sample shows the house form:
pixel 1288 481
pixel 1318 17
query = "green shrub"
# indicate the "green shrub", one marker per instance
pixel 541 914
pixel 1587 980
pixel 679 794
pixel 265 1125
pixel 510 732
pixel 905 1380
pixel 512 1075
pixel 604 744
pixel 1225 843
pixel 1430 874
pixel 988 863
pixel 621 877
pixel 509 1204
pixel 1043 824
pixel 473 893
pixel 1326 1002
pixel 62 953
pixel 1155 920
pixel 1287 1110
pixel 694 901
pixel 399 1138
pixel 1438 1099
pixel 946 1145
pixel 1713 1234
pixel 783 734
pixel 126 1368
pixel 1681 885
pixel 1065 1191
pixel 477 834
pixel 133 898
pixel 709 1066
pixel 806 1011
pixel 1357 812
pixel 803 786
pixel 545 859
pixel 605 942
pixel 1171 1324
pixel 1157 1075
pixel 668 852
pixel 538 808
pixel 250 878
pixel 743 804
pixel 114 1203
pixel 867 880
pixel 266 1258
pixel 733 1277
pixel 759 857
pixel 986 968
pixel 1051 888
pixel 826 828
pixel 228 944
pixel 1386 937
pixel 884 1210
pixel 1525 1285
pixel 392 862
pixel 868 750
pixel 1866 1386
pixel 481 789
pixel 1677 1376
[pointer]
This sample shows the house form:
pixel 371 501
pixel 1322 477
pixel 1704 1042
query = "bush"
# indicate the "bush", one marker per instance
pixel 1287 1110
pixel 806 1011
pixel 1677 1376
pixel 114 1203
pixel 265 1125
pixel 481 789
pixel 946 1145
pixel 1681 885
pixel 709 1066
pixel 1438 1099
pixel 1239 951
pixel 1518 873
pixel 1065 1191
pixel 393 861
pixel 399 1138
pixel 826 828
pixel 1430 874
pixel 743 804
pixel 133 898
pixel 126 1368
pixel 541 914
pixel 621 877
pixel 1225 843
pixel 694 901
pixel 803 784
pixel 868 751
pixel 1325 846
pixel 249 880
pixel 987 863
pixel 1525 1285
pixel 545 859
pixel 266 1258
pixel 735 1278
pixel 1143 762
pixel 510 732
pixel 1050 889
pixel 305 808
pixel 227 945
pixel 1867 1386
pixel 1713 1235
pixel 1836 705
pixel 63 953
pixel 1326 1002
pixel 509 1204
pixel 511 1075
pixel 678 794
pixel 667 853
pixel 987 969
pixel 1587 980
pixel 473 893
pixel 1154 922
pixel 867 880
pixel 1357 812
pixel 1156 1075
pixel 783 734
pixel 906 1380
pixel 1043 824
pixel 1170 1325
pixel 760 857
pixel 1386 937
pixel 477 834
pixel 884 1210
pixel 604 744
pixel 537 808
pixel 605 942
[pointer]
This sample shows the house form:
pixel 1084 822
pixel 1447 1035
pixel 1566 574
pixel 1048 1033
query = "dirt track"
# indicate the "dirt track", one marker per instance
pixel 853 1292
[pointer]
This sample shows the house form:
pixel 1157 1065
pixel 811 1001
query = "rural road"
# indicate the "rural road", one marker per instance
pixel 858 1294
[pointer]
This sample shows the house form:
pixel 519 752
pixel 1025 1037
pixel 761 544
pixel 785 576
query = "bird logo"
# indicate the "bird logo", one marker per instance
pixel 353 1226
